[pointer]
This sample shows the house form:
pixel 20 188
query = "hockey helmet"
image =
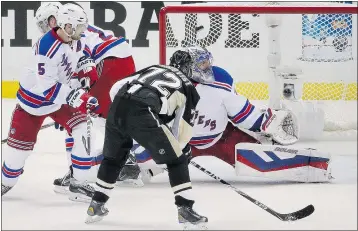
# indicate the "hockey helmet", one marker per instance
pixel 43 14
pixel 182 60
pixel 202 71
pixel 74 15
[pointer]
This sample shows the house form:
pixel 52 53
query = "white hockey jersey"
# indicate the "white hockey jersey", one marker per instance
pixel 45 84
pixel 102 43
pixel 218 103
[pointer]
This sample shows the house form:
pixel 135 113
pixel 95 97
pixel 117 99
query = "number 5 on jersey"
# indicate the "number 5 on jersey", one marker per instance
pixel 41 68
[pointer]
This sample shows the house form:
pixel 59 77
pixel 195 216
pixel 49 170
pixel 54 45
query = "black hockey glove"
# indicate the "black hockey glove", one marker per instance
pixel 187 152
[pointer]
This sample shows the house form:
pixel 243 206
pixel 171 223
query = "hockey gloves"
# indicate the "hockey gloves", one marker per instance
pixel 86 72
pixel 187 152
pixel 281 125
pixel 80 99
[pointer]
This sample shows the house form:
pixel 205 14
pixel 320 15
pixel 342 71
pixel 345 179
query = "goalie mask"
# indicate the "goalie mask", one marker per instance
pixel 182 61
pixel 44 13
pixel 76 17
pixel 202 64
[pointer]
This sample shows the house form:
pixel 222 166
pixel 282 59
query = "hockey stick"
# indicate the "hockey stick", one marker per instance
pixel 305 212
pixel 87 141
pixel 42 127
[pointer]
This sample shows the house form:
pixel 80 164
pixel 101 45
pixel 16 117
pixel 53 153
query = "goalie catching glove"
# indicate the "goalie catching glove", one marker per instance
pixel 281 125
pixel 80 99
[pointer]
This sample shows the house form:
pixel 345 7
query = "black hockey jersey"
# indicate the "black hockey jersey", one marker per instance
pixel 178 96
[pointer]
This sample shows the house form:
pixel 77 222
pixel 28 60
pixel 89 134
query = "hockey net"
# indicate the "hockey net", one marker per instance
pixel 321 41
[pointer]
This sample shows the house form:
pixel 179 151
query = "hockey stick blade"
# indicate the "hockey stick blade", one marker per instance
pixel 305 212
pixel 85 145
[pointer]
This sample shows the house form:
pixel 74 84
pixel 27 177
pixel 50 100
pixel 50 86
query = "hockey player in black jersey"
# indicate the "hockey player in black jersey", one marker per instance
pixel 143 104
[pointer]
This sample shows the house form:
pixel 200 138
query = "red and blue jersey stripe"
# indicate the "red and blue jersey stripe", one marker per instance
pixel 253 160
pixel 9 172
pixel 51 93
pixel 99 32
pixel 268 116
pixel 33 100
pixel 223 79
pixel 243 114
pixel 102 48
pixel 203 140
pixel 87 51
pixel 219 85
pixel 48 44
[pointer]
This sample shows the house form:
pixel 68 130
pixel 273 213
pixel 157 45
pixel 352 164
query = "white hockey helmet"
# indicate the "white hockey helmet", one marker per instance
pixel 202 71
pixel 44 12
pixel 74 15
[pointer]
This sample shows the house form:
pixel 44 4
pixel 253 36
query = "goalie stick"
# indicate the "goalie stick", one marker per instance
pixel 305 212
pixel 42 127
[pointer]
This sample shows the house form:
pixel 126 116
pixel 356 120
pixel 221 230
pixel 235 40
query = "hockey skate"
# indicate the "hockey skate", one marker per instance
pixel 130 174
pixel 80 192
pixel 96 212
pixel 190 220
pixel 5 189
pixel 62 184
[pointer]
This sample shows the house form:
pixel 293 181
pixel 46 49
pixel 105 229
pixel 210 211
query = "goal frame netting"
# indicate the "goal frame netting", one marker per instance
pixel 241 10
pixel 332 124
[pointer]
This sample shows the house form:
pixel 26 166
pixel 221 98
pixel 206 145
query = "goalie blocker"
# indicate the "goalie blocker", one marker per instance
pixel 282 163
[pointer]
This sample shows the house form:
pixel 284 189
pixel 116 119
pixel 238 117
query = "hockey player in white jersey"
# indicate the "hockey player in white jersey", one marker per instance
pixel 45 92
pixel 112 59
pixel 214 136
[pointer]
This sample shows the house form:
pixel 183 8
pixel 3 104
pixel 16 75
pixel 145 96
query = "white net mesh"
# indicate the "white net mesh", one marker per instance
pixel 323 45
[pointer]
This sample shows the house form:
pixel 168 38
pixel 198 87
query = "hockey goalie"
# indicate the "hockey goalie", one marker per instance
pixel 251 139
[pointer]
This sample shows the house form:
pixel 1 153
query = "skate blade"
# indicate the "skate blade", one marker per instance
pixel 93 219
pixel 130 183
pixel 190 226
pixel 77 197
pixel 61 190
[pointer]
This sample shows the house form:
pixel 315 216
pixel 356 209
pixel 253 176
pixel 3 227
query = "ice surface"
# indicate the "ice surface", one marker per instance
pixel 32 204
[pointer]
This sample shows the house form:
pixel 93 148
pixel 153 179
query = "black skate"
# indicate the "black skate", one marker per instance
pixel 190 220
pixel 62 184
pixel 5 189
pixel 96 212
pixel 130 174
pixel 80 192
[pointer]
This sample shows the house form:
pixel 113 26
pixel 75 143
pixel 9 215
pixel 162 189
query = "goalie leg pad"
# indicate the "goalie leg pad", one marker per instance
pixel 279 162
pixel 224 147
